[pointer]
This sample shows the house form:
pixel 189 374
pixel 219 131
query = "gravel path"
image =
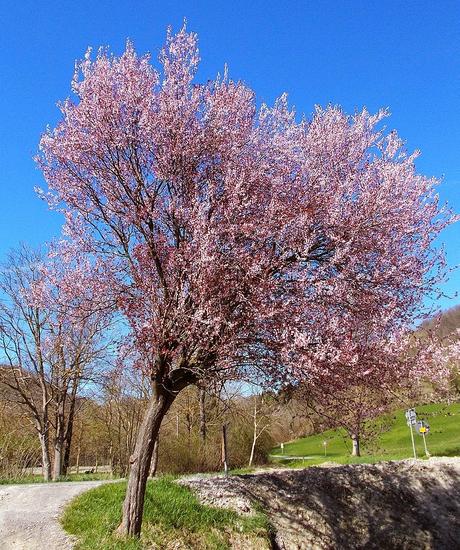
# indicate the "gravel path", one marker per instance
pixel 29 514
pixel 406 505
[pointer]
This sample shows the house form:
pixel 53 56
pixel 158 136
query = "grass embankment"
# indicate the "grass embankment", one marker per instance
pixel 394 444
pixel 39 478
pixel 173 518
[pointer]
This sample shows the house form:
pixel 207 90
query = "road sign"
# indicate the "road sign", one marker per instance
pixel 423 427
pixel 411 417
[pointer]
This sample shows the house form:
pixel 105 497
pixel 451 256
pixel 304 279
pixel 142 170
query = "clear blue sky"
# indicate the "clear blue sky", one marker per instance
pixel 404 55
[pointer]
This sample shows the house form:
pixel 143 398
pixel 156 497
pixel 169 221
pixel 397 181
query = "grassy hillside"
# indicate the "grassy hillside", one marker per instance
pixel 443 440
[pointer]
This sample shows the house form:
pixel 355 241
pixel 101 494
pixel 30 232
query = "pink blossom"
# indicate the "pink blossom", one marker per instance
pixel 238 240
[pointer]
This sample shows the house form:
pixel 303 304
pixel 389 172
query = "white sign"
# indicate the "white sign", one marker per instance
pixel 411 417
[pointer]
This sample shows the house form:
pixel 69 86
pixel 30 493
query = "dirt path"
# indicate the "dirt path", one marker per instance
pixel 406 505
pixel 29 514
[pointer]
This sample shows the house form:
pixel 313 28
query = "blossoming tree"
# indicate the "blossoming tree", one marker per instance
pixel 229 232
pixel 366 372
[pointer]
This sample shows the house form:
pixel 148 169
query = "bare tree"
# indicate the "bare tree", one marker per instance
pixel 48 353
pixel 263 417
pixel 125 394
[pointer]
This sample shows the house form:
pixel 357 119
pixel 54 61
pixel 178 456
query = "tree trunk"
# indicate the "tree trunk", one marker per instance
pixel 153 469
pixel 59 440
pixel 355 441
pixel 66 460
pixel 224 448
pixel 140 460
pixel 111 457
pixel 253 448
pixel 254 435
pixel 188 420
pixel 68 441
pixel 78 458
pixel 46 462
pixel 69 427
pixel 57 471
pixel 202 398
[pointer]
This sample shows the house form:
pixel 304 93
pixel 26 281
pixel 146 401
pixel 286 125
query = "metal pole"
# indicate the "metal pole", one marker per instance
pixel 413 442
pixel 424 444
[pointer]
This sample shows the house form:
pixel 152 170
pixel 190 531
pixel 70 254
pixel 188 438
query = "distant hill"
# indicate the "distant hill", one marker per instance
pixel 446 324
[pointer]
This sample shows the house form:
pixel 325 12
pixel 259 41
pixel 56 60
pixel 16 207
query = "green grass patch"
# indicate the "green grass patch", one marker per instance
pixel 394 444
pixel 173 518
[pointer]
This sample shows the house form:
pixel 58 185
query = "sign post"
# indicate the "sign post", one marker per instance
pixel 423 428
pixel 325 447
pixel 282 448
pixel 411 417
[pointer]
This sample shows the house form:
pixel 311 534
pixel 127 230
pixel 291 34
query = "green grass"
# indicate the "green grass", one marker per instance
pixel 39 479
pixel 394 444
pixel 173 517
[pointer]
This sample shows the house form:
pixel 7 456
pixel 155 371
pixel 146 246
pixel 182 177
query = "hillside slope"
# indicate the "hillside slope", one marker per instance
pixel 410 505
pixel 393 444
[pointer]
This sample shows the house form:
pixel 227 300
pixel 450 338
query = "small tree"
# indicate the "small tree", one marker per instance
pixel 351 409
pixel 263 416
pixel 363 373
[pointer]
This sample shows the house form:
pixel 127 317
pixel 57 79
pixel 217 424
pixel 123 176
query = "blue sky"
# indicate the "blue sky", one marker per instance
pixel 401 55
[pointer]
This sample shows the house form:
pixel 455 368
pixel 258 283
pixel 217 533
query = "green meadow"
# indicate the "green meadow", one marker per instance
pixel 393 443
